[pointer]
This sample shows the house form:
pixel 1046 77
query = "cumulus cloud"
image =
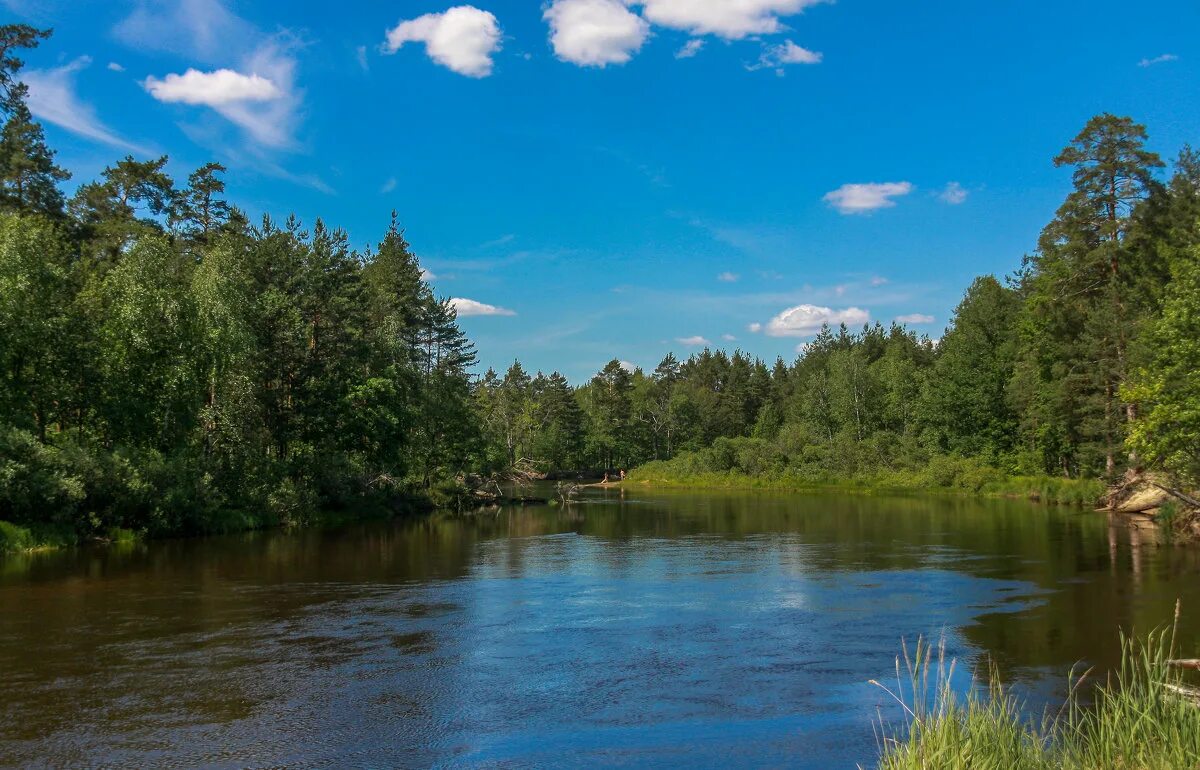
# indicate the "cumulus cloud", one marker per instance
pixel 728 277
pixel 257 93
pixel 729 338
pixel 462 39
pixel 115 67
pixel 1166 57
pixel 52 97
pixel 754 328
pixel 214 89
pixel 469 307
pixel 690 49
pixel 915 318
pixel 807 320
pixel 692 342
pixel 265 103
pixel 627 366
pixel 954 194
pixel 595 33
pixel 863 198
pixel 730 19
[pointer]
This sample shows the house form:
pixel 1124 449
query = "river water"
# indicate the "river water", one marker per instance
pixel 647 629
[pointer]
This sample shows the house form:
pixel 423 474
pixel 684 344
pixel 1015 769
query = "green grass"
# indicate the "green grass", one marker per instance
pixel 1081 492
pixel 14 538
pixel 1132 720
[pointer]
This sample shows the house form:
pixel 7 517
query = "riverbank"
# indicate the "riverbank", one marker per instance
pixel 1143 715
pixel 15 538
pixel 963 478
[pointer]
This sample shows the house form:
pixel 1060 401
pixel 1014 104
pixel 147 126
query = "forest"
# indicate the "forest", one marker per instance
pixel 170 367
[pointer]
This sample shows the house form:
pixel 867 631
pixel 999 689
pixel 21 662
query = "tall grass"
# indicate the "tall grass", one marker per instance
pixel 1045 489
pixel 1141 717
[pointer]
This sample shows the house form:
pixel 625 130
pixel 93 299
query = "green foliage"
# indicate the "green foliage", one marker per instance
pixel 166 368
pixel 1167 386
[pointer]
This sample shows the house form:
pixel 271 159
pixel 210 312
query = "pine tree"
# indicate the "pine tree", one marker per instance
pixel 29 178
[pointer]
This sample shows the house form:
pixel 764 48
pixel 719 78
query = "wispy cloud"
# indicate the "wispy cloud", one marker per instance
pixel 954 194
pixel 693 342
pixel 728 277
pixel 255 88
pixel 915 318
pixel 53 98
pixel 1163 59
pixel 203 29
pixel 388 186
pixel 690 48
pixel 779 56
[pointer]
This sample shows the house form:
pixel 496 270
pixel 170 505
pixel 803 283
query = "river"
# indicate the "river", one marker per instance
pixel 637 628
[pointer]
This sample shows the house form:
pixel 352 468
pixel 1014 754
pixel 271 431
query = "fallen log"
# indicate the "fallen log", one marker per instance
pixel 1178 495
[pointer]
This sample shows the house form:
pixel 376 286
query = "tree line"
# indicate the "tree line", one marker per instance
pixel 1084 363
pixel 170 366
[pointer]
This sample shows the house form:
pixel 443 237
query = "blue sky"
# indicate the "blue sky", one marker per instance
pixel 601 179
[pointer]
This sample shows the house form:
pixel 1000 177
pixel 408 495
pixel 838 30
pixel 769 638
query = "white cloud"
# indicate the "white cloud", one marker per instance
pixel 729 338
pixel 427 275
pixel 462 39
pixel 469 307
pixel 730 19
pixel 115 67
pixel 690 49
pixel 388 186
pixel 728 277
pixel 954 194
pixel 270 122
pixel 862 198
pixel 806 320
pixel 594 33
pixel 215 89
pixel 627 366
pixel 787 52
pixel 692 342
pixel 1166 57
pixel 52 98
pixel 879 280
pixel 754 328
pixel 915 318
pixel 360 55
pixel 257 94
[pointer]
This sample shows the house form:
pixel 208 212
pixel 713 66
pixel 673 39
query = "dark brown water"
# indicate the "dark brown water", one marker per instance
pixel 650 629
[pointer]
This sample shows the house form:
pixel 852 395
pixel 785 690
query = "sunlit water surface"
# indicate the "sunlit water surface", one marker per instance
pixel 637 629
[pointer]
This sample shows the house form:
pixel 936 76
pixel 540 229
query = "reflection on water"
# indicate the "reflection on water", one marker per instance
pixel 645 629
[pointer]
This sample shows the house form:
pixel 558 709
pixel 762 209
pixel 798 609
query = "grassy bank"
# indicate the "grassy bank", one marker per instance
pixel 942 476
pixel 1135 719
